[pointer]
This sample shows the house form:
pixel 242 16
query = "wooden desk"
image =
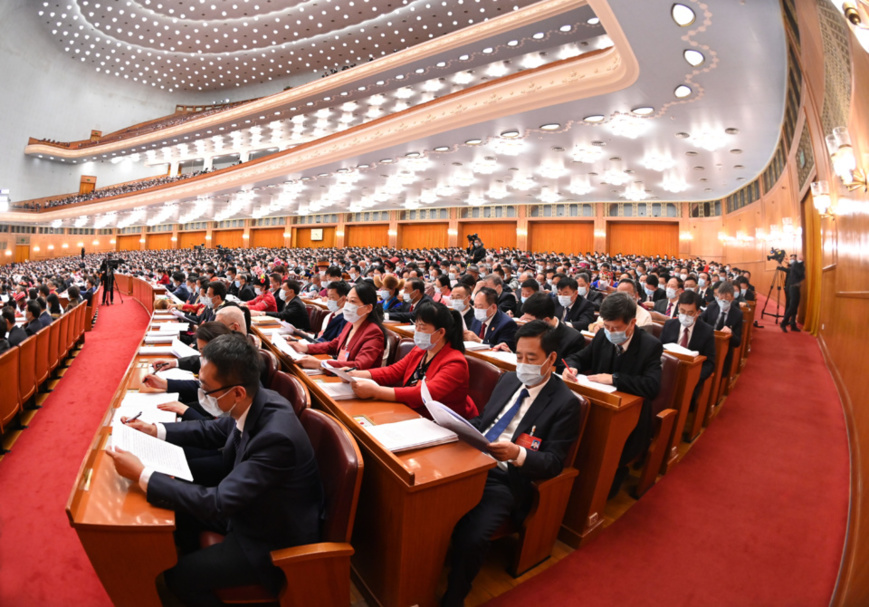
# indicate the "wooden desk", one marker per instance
pixel 409 504
pixel 128 541
pixel 611 419
pixel 686 381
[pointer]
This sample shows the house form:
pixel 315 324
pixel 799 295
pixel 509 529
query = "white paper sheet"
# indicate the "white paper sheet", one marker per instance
pixel 154 453
pixel 160 338
pixel 677 349
pixel 446 417
pixel 411 434
pixel 281 344
pixel 507 357
pixel 155 350
pixel 182 350
pixel 585 381
pixel 176 374
pixel 473 346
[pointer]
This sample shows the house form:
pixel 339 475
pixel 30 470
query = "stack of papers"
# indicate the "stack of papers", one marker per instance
pixel 146 403
pixel 677 349
pixel 162 316
pixel 262 319
pixel 281 344
pixel 171 327
pixel 583 380
pixel 155 350
pixel 473 346
pixel 182 350
pixel 270 331
pixel 340 390
pixel 152 452
pixel 411 434
pixel 159 338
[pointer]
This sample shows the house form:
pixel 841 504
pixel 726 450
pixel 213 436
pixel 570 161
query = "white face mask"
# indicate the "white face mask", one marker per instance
pixel 423 340
pixel 701 282
pixel 406 297
pixel 583 291
pixel 671 293
pixel 481 315
pixel 351 313
pixel 332 305
pixel 283 295
pixel 452 275
pixel 459 305
pixel 209 403
pixel 383 294
pixel 686 320
pixel 258 291
pixel 206 301
pixel 529 375
pixel 683 276
pixel 564 300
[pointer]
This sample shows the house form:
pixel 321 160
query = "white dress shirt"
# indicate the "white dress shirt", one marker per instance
pixel 507 434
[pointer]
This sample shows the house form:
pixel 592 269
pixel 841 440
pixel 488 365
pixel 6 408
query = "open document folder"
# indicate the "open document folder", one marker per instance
pixel 447 418
pixel 152 452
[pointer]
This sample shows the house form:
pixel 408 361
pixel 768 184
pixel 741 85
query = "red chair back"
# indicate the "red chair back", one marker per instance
pixel 669 373
pixel 391 351
pixel 405 345
pixel 27 369
pixel 10 402
pixel 283 384
pixel 53 343
pixel 270 364
pixel 340 464
pixel 42 355
pixel 64 336
pixel 483 376
pixel 316 316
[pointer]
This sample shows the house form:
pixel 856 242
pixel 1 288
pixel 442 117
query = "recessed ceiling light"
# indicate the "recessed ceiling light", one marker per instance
pixel 736 151
pixel 442 148
pixel 474 141
pixel 387 161
pixel 682 15
pixel 682 91
pixel 565 28
pixel 593 21
pixel 412 155
pixel 643 111
pixel 693 57
pixel 682 135
pixel 550 126
pixel 510 134
pixel 731 131
pixel 594 118
pixel 691 153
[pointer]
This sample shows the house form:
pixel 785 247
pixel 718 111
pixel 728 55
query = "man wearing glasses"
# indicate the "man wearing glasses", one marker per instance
pixel 270 497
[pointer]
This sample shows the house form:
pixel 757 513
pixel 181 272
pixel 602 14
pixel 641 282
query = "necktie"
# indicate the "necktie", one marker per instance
pixel 566 312
pixel 231 448
pixel 482 331
pixel 684 341
pixel 411 307
pixel 498 429
pixel 669 308
pixel 720 324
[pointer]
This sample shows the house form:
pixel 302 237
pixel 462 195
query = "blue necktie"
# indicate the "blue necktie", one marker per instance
pixel 498 429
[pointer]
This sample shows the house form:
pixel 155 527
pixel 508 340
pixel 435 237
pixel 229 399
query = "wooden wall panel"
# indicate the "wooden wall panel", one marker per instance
pixel 561 236
pixel 303 238
pixel 187 240
pixel 231 239
pixel 642 238
pixel 366 235
pixel 494 234
pixel 22 253
pixel 267 237
pixel 423 235
pixel 159 241
pixel 129 242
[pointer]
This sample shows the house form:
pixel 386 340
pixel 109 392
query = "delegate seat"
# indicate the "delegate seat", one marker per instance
pixel 391 351
pixel 283 384
pixel 316 316
pixel 63 349
pixel 662 424
pixel 10 402
pixel 405 345
pixel 539 530
pixel 270 367
pixel 27 370
pixel 482 376
pixel 43 368
pixel 53 344
pixel 318 575
pixel 656 328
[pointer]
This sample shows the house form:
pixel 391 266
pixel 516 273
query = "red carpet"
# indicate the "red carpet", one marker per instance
pixel 41 559
pixel 754 515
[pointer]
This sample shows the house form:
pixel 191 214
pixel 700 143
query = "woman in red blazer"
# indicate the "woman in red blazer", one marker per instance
pixel 439 357
pixel 362 340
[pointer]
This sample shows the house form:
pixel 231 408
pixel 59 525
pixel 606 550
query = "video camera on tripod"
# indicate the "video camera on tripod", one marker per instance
pixel 776 254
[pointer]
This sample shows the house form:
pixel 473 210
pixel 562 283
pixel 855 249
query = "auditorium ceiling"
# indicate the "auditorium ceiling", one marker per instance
pixel 557 102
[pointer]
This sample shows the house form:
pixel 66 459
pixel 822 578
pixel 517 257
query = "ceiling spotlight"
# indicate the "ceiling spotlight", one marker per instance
pixel 473 141
pixel 694 58
pixel 442 148
pixel 551 126
pixel 593 119
pixel 682 91
pixel 643 111
pixel 510 134
pixel 682 15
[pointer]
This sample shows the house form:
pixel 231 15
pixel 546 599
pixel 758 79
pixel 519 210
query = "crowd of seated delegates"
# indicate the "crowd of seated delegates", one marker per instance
pixel 449 301
pixel 106 192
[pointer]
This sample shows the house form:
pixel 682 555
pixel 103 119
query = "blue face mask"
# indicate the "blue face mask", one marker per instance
pixel 616 337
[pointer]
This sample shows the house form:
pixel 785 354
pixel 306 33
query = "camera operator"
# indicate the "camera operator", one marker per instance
pixel 795 273
pixel 107 277
pixel 476 250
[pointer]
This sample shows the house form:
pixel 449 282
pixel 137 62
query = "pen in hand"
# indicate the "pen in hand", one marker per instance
pixel 160 366
pixel 134 418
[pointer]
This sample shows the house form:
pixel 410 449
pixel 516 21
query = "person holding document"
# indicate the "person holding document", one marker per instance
pixel 623 355
pixel 362 340
pixel 438 356
pixel 530 421
pixel 270 498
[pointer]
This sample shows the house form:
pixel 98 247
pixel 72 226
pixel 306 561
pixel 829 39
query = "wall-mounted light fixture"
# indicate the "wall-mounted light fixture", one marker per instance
pixel 844 160
pixel 821 199
pixel 856 13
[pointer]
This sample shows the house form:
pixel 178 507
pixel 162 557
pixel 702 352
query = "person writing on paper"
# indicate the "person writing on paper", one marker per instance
pixel 270 498
pixel 438 356
pixel 491 326
pixel 362 340
pixel 531 421
pixel 625 356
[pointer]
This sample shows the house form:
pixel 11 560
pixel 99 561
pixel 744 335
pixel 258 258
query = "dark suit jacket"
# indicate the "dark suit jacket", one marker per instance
pixel 707 294
pixel 403 313
pixel 45 319
pixel 555 416
pixel 295 313
pixel 16 335
pixel 596 298
pixel 570 342
pixel 507 302
pixel 702 340
pixel 502 329
pixel 246 293
pixel 580 315
pixel 182 292
pixel 661 307
pixel 271 498
pixel 33 327
pixel 636 371
pixel 334 328
pixel 733 320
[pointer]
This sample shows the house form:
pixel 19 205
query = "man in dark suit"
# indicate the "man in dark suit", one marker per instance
pixel 506 298
pixel 624 356
pixel 583 285
pixel 667 308
pixel 44 316
pixel 690 332
pixel 31 315
pixel 271 495
pixel 541 307
pixel 704 288
pixel 572 308
pixel 245 290
pixel 531 421
pixel 652 292
pixel 460 299
pixel 413 295
pixel 337 297
pixel 14 333
pixel 491 326
pixel 722 315
pixel 294 311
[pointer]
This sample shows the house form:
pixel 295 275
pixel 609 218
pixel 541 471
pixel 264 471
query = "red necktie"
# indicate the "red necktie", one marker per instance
pixel 669 308
pixel 411 307
pixel 482 331
pixel 684 341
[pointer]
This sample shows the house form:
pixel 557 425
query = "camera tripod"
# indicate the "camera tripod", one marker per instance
pixel 110 280
pixel 777 283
